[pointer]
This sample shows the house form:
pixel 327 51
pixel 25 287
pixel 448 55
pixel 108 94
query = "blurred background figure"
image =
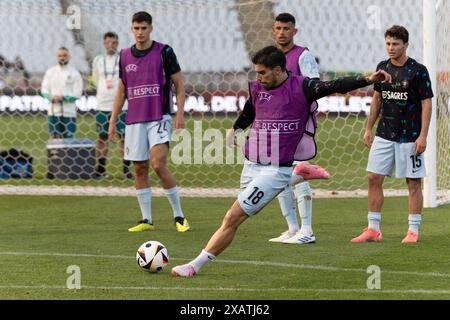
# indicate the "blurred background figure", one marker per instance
pixel 105 75
pixel 62 86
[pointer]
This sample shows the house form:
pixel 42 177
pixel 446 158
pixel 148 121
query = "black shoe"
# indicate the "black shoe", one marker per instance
pixel 127 173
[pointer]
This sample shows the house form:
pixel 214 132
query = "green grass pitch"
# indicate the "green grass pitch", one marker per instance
pixel 43 236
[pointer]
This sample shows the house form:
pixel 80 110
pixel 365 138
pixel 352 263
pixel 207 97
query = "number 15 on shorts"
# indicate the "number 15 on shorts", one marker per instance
pixel 416 166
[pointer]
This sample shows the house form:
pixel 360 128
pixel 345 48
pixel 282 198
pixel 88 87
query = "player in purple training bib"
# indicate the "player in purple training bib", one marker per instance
pixel 147 71
pixel 278 109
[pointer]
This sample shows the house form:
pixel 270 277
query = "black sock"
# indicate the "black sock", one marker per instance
pixel 126 166
pixel 101 165
pixel 179 220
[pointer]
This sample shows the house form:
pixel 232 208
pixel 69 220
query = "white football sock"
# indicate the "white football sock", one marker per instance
pixel 174 199
pixel 414 222
pixel 295 179
pixel 304 201
pixel 143 196
pixel 203 258
pixel 287 204
pixel 374 220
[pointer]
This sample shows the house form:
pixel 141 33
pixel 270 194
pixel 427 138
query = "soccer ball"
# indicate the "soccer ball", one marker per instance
pixel 152 256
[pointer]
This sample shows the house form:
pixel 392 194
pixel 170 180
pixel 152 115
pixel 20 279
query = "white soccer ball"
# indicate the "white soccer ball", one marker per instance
pixel 152 256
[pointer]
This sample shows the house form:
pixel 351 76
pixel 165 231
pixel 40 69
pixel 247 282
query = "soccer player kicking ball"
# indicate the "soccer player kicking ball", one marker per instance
pixel 281 105
pixel 404 107
pixel 299 62
pixel 147 71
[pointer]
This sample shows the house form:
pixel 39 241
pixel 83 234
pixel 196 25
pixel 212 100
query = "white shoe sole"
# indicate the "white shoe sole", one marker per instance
pixel 276 240
pixel 281 238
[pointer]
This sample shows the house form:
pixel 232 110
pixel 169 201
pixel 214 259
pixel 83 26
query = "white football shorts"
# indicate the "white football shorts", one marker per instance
pixel 385 156
pixel 260 184
pixel 141 137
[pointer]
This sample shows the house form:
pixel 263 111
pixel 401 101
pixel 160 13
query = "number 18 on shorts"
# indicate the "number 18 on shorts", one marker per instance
pixel 260 184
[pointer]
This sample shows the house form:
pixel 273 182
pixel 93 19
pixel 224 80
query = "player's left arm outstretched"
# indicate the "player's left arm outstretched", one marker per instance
pixel 316 89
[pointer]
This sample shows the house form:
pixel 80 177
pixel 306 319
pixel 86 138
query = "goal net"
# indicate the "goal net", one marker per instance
pixel 214 41
pixel 443 103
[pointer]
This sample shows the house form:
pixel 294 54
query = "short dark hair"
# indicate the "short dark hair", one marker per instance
pixel 110 34
pixel 142 16
pixel 270 57
pixel 397 32
pixel 285 17
pixel 63 48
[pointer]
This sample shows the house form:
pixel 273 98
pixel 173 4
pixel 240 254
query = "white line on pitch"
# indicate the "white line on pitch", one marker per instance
pixel 184 192
pixel 222 289
pixel 248 262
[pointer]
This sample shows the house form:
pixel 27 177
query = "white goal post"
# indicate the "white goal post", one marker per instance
pixel 429 58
